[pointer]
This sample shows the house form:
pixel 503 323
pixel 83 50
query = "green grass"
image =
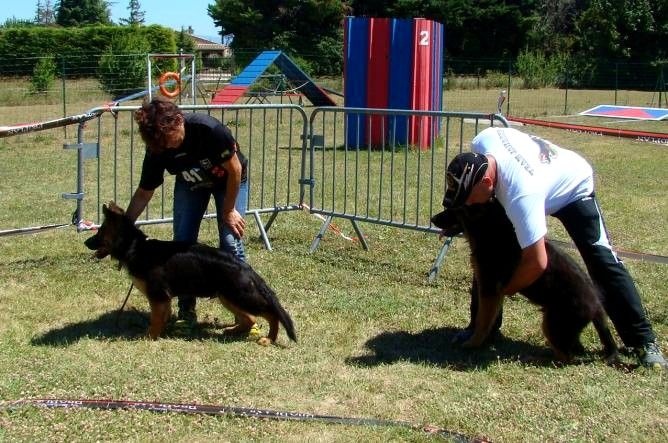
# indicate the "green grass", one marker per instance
pixel 374 335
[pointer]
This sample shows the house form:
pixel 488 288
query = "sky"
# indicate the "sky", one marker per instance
pixel 173 14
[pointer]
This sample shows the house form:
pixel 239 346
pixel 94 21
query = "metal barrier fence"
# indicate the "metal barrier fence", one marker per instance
pixel 387 182
pixel 273 138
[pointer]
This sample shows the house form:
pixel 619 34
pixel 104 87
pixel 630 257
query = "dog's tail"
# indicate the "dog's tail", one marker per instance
pixel 280 312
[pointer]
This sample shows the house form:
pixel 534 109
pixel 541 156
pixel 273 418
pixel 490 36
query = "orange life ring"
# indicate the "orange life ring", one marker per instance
pixel 173 77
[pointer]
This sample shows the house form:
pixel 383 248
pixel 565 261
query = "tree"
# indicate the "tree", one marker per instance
pixel 624 29
pixel 46 13
pixel 82 12
pixel 474 28
pixel 136 14
pixel 122 67
pixel 43 75
pixel 310 29
pixel 184 41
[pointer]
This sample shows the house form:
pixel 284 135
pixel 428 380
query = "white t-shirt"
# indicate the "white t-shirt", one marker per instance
pixel 534 178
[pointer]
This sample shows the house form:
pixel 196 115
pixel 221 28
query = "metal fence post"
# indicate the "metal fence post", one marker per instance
pixel 616 80
pixel 510 74
pixel 84 151
pixel 662 85
pixel 62 76
pixel 566 92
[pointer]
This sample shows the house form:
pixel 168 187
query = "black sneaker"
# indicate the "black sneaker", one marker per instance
pixel 650 356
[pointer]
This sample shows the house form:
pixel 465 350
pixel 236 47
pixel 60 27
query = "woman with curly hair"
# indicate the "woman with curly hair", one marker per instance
pixel 205 158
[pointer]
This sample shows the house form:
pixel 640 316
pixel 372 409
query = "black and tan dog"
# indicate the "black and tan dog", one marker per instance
pixel 166 269
pixel 566 295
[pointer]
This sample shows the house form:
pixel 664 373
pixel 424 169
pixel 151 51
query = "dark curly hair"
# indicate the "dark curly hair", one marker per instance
pixel 155 118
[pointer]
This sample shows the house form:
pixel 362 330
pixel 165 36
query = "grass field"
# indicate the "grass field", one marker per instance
pixel 374 335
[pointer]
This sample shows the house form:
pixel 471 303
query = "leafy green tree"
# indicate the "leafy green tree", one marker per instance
pixel 185 42
pixel 473 28
pixel 123 66
pixel 553 27
pixel 624 29
pixel 43 75
pixel 136 17
pixel 298 27
pixel 82 12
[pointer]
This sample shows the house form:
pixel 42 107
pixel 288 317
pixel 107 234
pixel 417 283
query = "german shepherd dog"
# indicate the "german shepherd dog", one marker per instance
pixel 566 295
pixel 162 270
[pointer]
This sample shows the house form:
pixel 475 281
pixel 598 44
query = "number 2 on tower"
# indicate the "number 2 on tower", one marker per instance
pixel 424 38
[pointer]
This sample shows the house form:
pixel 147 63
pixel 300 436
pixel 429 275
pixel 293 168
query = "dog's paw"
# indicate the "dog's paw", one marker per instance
pixel 473 342
pixel 151 335
pixel 264 341
pixel 462 336
pixel 470 344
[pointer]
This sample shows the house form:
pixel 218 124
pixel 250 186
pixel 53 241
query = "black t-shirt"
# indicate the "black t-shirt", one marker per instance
pixel 206 146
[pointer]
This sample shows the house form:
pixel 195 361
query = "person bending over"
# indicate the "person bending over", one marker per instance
pixel 532 177
pixel 205 158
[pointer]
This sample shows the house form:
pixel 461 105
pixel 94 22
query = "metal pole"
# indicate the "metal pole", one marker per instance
pixel 64 94
pixel 616 80
pixel 510 71
pixel 566 94
pixel 150 86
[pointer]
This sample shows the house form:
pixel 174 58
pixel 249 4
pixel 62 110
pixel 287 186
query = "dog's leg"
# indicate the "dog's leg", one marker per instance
pixel 273 330
pixel 243 320
pixel 160 313
pixel 488 310
pixel 559 353
pixel 610 349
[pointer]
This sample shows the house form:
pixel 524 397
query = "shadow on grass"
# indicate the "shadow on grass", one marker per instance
pixel 433 346
pixel 131 324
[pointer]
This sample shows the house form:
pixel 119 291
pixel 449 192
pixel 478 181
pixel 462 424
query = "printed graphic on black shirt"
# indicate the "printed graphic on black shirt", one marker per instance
pixel 205 176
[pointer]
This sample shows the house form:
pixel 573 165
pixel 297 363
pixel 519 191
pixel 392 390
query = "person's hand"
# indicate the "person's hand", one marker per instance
pixel 235 222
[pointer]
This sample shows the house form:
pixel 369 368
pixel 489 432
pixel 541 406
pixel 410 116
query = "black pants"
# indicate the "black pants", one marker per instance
pixel 584 223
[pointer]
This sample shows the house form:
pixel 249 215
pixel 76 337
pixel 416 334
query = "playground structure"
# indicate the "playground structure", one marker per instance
pixel 242 83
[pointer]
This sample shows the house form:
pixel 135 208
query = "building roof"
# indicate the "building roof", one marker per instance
pixel 208 45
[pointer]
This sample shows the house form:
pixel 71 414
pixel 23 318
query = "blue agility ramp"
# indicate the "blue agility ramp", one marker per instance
pixel 242 82
pixel 630 112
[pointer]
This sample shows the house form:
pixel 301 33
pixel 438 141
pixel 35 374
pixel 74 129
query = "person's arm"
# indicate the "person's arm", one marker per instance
pixel 139 200
pixel 231 216
pixel 532 264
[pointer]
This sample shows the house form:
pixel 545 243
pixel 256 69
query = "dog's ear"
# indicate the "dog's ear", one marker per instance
pixel 114 208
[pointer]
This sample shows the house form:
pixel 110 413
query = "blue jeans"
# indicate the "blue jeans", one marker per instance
pixel 189 209
pixel 190 206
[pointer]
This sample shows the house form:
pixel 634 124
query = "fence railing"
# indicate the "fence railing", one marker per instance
pixel 273 138
pixel 397 179
pixel 388 182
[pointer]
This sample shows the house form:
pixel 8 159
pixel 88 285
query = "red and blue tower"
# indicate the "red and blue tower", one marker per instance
pixel 393 64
